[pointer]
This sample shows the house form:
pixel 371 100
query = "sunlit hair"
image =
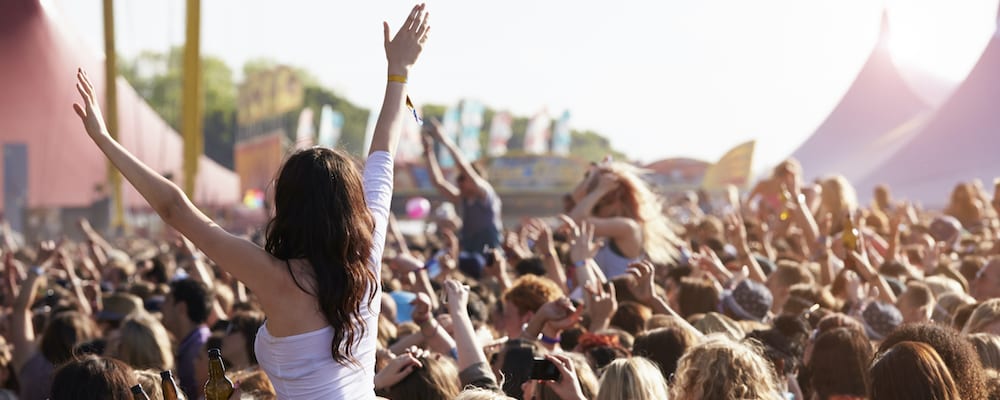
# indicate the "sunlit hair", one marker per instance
pixel 659 242
pixel 151 383
pixel 144 343
pixel 988 347
pixel 965 205
pixel 838 198
pixel 321 216
pixel 530 292
pixel 434 381
pixel 986 313
pixel 474 393
pixel 911 370
pixel 93 378
pixel 958 354
pixel 63 332
pixel 632 378
pixel 790 165
pixel 839 363
pixel 720 368
pixel 254 383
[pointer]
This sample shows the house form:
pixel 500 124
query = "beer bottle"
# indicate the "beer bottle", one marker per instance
pixel 168 386
pixel 218 386
pixel 850 235
pixel 138 393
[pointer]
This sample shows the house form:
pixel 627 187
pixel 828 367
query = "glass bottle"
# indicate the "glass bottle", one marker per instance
pixel 218 386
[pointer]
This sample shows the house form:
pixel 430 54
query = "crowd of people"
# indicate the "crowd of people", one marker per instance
pixel 793 291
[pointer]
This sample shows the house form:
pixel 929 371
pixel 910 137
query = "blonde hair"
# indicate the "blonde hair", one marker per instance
pixel 144 343
pixel 988 347
pixel 985 314
pixel 632 378
pixel 659 242
pixel 838 197
pixel 474 393
pixel 150 382
pixel 720 368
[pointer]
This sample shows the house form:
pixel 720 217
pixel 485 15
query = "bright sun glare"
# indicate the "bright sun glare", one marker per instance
pixel 932 38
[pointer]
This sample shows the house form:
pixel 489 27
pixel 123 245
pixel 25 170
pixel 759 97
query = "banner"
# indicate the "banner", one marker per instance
pixel 305 132
pixel 536 136
pixel 561 138
pixel 330 124
pixel 500 133
pixel 732 169
pixel 449 129
pixel 472 124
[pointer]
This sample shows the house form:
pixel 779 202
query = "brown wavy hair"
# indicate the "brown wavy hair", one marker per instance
pixel 321 216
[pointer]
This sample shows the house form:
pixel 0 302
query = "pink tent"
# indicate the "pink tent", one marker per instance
pixel 854 136
pixel 960 142
pixel 60 167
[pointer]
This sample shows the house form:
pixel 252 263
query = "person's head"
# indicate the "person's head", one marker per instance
pixel 320 215
pixel 631 317
pixel 63 333
pixel 255 383
pixel 720 368
pixel 237 344
pixel 984 319
pixel 93 378
pixel 481 394
pixel 838 198
pixel 786 170
pixel 911 370
pixel 839 362
pixel 916 303
pixel 987 283
pixel 632 378
pixel 749 301
pixel 434 381
pixel 115 308
pixel 143 343
pixel 187 305
pixel 957 353
pixel 525 296
pixel 466 185
pixel 780 282
pixel 600 350
pixel 988 347
pixel 880 319
pixel 696 296
pixel 965 205
pixel 883 198
pixel 664 346
pixel 632 199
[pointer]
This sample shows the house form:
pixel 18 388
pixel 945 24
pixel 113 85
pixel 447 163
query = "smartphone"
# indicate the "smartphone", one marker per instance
pixel 545 370
pixel 489 257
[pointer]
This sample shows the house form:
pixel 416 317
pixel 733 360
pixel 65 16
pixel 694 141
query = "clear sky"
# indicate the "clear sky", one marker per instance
pixel 660 78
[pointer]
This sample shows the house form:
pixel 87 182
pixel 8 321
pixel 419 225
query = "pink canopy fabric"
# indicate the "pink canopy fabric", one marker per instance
pixel 878 113
pixel 64 167
pixel 959 143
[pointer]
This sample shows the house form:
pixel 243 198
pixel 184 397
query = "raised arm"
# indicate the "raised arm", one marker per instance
pixel 434 129
pixel 401 51
pixel 240 257
pixel 434 168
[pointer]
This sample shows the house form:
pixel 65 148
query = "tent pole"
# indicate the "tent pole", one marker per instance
pixel 111 112
pixel 191 103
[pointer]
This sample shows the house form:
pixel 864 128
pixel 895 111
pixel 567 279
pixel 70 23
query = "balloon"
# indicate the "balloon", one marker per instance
pixel 418 208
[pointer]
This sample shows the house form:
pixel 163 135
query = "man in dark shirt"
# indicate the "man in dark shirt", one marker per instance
pixel 185 312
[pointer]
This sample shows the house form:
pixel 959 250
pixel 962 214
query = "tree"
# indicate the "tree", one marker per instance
pixel 157 77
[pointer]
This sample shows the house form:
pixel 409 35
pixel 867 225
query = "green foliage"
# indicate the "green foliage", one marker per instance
pixel 352 135
pixel 157 77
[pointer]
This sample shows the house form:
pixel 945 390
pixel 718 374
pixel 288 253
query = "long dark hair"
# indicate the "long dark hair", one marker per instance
pixel 321 216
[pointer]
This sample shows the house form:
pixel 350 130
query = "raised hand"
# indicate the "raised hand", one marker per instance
pixel 403 49
pixel 602 304
pixel 568 385
pixel 421 308
pixel 89 111
pixel 560 313
pixel 641 282
pixel 398 368
pixel 583 246
pixel 458 295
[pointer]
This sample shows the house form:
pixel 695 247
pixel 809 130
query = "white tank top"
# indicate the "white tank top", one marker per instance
pixel 301 366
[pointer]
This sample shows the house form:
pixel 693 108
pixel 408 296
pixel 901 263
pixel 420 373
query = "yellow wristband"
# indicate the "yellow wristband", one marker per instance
pixel 397 78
